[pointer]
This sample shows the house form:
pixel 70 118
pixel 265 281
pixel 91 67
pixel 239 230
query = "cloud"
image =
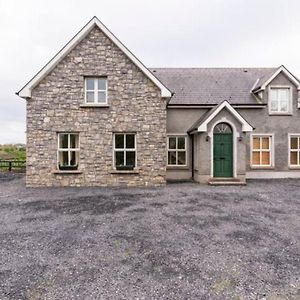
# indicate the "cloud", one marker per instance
pixel 14 132
pixel 190 33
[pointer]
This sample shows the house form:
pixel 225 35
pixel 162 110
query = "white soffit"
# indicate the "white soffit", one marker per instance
pixel 246 127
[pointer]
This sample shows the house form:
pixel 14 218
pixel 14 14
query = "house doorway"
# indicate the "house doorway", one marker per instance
pixel 223 150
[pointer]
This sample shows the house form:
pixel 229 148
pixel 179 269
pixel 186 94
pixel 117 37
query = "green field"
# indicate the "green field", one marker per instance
pixel 14 153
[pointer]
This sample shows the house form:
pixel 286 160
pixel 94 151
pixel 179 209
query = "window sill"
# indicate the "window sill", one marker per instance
pixel 262 168
pixel 178 168
pixel 294 167
pixel 124 172
pixel 280 114
pixel 94 105
pixel 66 172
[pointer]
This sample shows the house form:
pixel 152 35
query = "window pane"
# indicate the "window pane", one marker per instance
pixel 90 83
pixel 265 158
pixel 181 143
pixel 294 159
pixel 63 141
pixel 119 141
pixel 119 158
pixel 101 97
pixel 74 158
pixel 181 157
pixel 274 105
pixel 265 143
pixel 255 158
pixel 130 158
pixel 222 128
pixel 172 143
pixel 129 141
pixel 63 158
pixel 171 158
pixel 294 143
pixel 284 106
pixel 102 84
pixel 74 141
pixel 283 94
pixel 256 143
pixel 90 97
pixel 273 94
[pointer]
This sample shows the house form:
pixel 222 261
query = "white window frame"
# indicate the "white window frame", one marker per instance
pixel 95 90
pixel 271 150
pixel 294 135
pixel 177 150
pixel 69 149
pixel 290 100
pixel 124 149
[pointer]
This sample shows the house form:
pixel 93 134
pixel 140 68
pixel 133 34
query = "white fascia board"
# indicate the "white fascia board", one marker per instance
pixel 25 92
pixel 286 72
pixel 246 127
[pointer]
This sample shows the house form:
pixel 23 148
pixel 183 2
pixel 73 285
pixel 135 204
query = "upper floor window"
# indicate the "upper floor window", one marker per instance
pixel 280 100
pixel 96 90
pixel 294 150
pixel 176 151
pixel 68 151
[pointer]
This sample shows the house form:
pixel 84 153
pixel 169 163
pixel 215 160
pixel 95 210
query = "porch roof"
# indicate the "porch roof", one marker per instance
pixel 202 122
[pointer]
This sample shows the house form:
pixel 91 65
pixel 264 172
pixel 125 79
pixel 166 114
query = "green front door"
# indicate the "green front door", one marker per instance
pixel 223 154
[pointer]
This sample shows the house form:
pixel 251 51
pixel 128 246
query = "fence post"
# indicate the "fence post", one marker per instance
pixel 9 166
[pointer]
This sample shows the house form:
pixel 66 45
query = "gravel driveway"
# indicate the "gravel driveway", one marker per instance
pixel 184 241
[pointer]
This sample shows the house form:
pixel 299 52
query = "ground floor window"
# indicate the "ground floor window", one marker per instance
pixel 176 151
pixel 261 150
pixel 294 150
pixel 68 151
pixel 124 151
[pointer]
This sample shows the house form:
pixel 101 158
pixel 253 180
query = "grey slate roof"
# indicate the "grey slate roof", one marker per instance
pixel 212 85
pixel 203 118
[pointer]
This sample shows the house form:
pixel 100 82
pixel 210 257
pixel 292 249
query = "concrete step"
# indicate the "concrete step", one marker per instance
pixel 226 181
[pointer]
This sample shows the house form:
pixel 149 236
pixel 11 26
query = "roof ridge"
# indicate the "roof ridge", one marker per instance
pixel 212 68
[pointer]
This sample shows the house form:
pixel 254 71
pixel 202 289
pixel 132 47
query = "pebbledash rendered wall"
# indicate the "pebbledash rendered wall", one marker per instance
pixel 134 105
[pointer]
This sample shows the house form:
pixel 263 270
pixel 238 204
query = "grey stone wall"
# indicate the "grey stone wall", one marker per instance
pixel 135 105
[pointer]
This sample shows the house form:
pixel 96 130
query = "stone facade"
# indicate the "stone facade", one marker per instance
pixel 134 105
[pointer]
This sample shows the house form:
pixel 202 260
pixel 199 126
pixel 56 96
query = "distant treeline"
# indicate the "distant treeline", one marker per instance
pixel 13 152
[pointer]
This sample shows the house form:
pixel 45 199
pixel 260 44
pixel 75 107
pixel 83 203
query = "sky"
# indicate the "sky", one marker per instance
pixel 161 33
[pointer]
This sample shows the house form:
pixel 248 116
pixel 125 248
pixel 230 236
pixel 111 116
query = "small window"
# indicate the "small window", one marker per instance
pixel 95 90
pixel 124 151
pixel 280 100
pixel 222 128
pixel 176 151
pixel 261 153
pixel 68 151
pixel 294 150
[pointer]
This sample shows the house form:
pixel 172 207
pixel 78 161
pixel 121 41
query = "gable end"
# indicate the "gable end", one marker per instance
pixel 25 92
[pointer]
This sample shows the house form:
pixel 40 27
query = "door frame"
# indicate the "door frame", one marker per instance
pixel 235 135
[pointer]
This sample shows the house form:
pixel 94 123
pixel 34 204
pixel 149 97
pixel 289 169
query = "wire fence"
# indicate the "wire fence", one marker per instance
pixel 13 165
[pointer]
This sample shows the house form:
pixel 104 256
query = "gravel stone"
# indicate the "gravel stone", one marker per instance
pixel 181 241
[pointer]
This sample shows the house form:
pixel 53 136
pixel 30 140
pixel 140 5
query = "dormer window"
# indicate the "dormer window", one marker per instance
pixel 280 100
pixel 96 90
